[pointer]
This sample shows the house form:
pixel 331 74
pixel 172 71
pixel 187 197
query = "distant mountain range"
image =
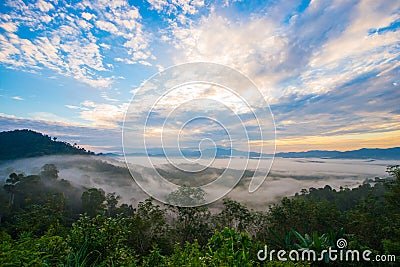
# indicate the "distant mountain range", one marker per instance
pixel 219 152
pixel 363 153
pixel 27 143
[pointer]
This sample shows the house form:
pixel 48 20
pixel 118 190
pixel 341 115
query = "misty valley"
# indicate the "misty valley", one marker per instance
pixel 69 207
pixel 286 177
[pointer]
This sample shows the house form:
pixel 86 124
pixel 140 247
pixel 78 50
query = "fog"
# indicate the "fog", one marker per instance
pixel 287 176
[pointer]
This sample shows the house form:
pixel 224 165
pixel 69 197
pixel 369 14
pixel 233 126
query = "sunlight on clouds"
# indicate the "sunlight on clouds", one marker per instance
pixel 103 115
pixel 256 47
pixel 313 55
pixel 340 142
pixel 295 58
pixel 329 69
pixel 186 94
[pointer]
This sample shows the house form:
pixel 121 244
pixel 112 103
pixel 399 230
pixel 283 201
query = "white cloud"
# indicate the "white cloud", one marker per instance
pixel 17 98
pixel 9 26
pixel 88 16
pixel 44 6
pixel 71 107
pixel 317 51
pixel 107 26
pixel 257 47
pixel 102 115
pixel 72 45
pixel 177 6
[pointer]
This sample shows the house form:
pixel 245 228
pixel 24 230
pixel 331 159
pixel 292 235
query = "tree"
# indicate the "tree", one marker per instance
pixel 10 186
pixel 392 245
pixel 393 186
pixel 93 201
pixel 111 203
pixel 234 215
pixel 192 223
pixel 148 226
pixel 187 196
pixel 49 171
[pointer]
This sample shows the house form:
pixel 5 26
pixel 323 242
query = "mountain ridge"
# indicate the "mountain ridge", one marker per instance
pixel 26 143
pixel 362 153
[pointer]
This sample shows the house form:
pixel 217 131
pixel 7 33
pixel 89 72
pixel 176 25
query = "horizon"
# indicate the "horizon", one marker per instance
pixel 195 150
pixel 329 71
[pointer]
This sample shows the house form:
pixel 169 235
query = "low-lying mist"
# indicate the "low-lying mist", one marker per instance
pixel 287 176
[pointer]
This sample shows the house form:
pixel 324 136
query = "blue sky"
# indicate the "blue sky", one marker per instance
pixel 329 69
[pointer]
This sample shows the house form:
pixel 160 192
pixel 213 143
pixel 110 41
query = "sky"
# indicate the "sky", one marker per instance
pixel 329 70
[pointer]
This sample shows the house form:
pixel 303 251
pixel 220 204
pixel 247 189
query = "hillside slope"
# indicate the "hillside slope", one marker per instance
pixel 27 143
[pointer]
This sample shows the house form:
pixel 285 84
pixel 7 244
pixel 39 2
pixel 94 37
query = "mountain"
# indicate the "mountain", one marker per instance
pixel 219 152
pixel 363 153
pixel 27 143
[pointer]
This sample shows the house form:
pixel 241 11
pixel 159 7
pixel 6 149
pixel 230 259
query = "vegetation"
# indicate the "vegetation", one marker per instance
pixel 27 143
pixel 44 223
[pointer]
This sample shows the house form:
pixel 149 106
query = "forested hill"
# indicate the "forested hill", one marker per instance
pixel 27 143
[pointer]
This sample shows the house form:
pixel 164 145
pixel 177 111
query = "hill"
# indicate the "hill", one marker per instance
pixel 27 143
pixel 363 153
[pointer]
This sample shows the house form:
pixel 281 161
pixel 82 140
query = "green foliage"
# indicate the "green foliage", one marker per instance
pixel 187 196
pixel 41 226
pixel 148 226
pixel 392 196
pixel 190 255
pixel 192 223
pixel 304 215
pixel 93 201
pixel 29 251
pixel 234 215
pixel 101 239
pixel 229 248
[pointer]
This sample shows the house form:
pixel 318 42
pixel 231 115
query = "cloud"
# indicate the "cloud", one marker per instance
pixel 176 6
pixel 71 107
pixel 88 16
pixel 322 70
pixel 102 115
pixel 9 26
pixel 328 68
pixel 60 40
pixel 17 98
pixel 70 132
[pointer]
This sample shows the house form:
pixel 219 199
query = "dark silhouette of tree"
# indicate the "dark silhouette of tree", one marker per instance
pixel 27 143
pixel 49 171
pixel 93 201
pixel 10 186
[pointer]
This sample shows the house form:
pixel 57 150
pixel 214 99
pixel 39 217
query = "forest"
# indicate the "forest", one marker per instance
pixel 45 221
pixel 27 143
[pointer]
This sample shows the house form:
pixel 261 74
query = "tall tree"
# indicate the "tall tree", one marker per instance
pixel 93 201
pixel 10 185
